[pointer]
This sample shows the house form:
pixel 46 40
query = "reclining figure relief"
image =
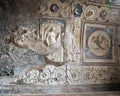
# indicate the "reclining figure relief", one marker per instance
pixel 24 38
pixel 52 39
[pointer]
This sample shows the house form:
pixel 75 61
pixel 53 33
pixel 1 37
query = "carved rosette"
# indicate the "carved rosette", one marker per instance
pixel 103 13
pixel 91 12
pixel 114 15
pixel 87 75
pixel 54 7
pixel 31 77
pixel 60 75
pixel 45 75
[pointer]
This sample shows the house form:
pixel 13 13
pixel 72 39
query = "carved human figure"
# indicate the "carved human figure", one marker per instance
pixel 50 38
pixel 53 42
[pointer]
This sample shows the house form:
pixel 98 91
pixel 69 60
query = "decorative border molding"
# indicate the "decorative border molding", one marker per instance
pixel 56 8
pixel 70 75
pixel 98 59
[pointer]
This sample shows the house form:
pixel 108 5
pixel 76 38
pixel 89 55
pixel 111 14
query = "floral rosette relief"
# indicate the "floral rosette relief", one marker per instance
pixel 52 75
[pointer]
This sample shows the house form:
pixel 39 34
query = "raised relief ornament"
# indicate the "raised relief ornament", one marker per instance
pixel 99 43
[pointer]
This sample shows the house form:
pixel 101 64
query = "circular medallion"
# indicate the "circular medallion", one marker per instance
pixel 99 43
pixel 103 14
pixel 114 15
pixel 54 7
pixel 91 12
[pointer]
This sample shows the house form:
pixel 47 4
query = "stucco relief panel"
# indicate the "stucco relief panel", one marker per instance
pixel 59 38
pixel 99 43
pixel 52 32
pixel 71 75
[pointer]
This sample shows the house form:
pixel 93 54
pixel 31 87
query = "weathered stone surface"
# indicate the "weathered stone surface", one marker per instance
pixel 58 42
pixel 13 60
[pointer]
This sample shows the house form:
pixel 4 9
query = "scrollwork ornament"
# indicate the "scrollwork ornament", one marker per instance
pixel 73 76
pixel 45 75
pixel 31 77
pixel 60 75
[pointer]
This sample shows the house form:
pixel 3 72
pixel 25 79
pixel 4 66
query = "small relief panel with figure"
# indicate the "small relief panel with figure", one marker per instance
pixel 58 38
pixel 52 31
